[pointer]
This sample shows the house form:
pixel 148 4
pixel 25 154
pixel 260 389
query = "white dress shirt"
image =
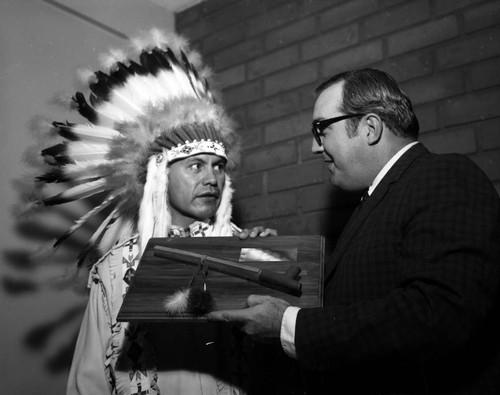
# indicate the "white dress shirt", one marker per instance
pixel 287 333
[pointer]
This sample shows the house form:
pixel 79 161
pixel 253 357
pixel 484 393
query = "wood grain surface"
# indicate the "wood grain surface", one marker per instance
pixel 156 278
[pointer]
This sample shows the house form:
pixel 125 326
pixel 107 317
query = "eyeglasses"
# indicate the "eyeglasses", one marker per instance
pixel 319 126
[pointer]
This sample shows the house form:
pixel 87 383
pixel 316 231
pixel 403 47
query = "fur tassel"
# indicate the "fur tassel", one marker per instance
pixel 189 301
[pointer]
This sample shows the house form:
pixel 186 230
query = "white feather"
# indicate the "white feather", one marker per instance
pixel 84 151
pixel 79 191
pixel 120 229
pixel 182 79
pixel 80 221
pixel 144 91
pixel 94 132
pixel 176 83
pixel 129 101
pixel 154 216
pixel 102 228
pixel 162 219
pixel 178 302
pixel 110 114
pixel 127 104
pixel 222 225
pixel 79 170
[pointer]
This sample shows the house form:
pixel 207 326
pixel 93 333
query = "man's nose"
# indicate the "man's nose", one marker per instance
pixel 316 148
pixel 209 177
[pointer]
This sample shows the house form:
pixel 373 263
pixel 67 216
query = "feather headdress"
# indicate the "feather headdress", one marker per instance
pixel 146 108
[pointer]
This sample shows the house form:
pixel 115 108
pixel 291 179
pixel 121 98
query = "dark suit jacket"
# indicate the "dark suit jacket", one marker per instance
pixel 412 287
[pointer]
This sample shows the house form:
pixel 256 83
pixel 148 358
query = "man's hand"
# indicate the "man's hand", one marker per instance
pixel 256 231
pixel 261 319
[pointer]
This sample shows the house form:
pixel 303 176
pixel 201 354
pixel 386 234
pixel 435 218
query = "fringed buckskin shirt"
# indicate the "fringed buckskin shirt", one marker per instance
pixel 122 358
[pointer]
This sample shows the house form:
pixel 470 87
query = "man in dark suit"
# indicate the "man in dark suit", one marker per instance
pixel 413 285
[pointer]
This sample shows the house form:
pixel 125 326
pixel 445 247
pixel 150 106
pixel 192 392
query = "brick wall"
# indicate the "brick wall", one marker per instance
pixel 270 55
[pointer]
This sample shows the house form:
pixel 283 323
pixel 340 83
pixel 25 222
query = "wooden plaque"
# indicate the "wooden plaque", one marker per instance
pixel 156 278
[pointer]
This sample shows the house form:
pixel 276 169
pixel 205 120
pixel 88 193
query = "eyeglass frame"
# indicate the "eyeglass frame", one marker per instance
pixel 319 126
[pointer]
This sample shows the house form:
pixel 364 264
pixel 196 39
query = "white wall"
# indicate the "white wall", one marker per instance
pixel 41 45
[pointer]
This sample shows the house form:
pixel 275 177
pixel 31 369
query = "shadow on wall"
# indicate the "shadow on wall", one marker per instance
pixel 45 268
pixel 335 207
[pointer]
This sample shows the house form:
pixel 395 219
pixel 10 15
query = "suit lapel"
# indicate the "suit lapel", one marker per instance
pixel 363 210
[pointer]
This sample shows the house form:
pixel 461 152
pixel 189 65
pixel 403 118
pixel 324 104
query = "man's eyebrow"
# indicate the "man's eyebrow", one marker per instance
pixel 195 158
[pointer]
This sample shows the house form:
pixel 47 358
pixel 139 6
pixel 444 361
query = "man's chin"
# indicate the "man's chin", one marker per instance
pixel 206 213
pixel 334 180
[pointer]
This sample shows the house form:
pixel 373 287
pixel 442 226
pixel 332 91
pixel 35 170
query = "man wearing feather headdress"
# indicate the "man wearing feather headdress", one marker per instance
pixel 156 149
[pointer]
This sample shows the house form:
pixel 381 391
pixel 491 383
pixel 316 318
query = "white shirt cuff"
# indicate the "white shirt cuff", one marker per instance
pixel 287 333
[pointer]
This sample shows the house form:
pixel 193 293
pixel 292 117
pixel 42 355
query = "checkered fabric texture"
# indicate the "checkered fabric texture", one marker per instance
pixel 411 286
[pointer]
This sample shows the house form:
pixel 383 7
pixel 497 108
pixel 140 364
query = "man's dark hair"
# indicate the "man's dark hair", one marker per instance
pixel 371 90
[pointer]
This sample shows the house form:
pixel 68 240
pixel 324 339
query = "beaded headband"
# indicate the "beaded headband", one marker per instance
pixel 182 151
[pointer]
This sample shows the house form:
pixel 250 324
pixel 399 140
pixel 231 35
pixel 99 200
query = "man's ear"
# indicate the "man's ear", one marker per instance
pixel 375 127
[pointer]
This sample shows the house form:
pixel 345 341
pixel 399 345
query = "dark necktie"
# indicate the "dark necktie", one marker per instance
pixel 365 197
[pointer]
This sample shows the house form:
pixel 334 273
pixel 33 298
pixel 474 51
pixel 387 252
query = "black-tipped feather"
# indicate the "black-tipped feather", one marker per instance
pixel 136 68
pixel 105 83
pixel 84 109
pixel 53 176
pixel 102 87
pixel 79 222
pixel 208 92
pixel 192 75
pixel 124 70
pixel 172 58
pixel 110 81
pixel 188 66
pixel 84 253
pixel 80 191
pixel 149 62
pixel 56 155
pixel 160 56
pixel 94 101
pixel 120 74
pixel 96 238
pixel 64 130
